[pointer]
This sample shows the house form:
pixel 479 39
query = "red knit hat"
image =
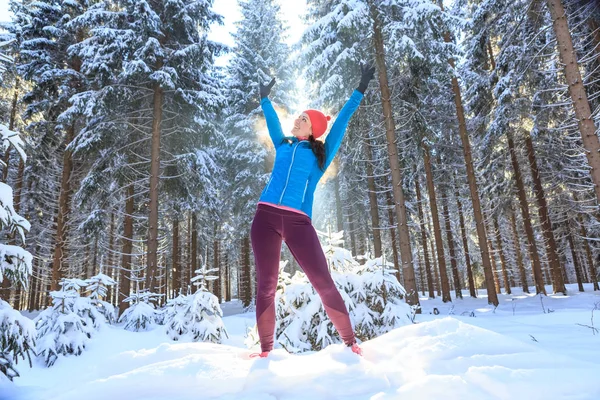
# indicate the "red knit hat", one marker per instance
pixel 318 121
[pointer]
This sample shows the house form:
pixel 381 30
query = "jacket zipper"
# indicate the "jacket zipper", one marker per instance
pixel 304 195
pixel 288 176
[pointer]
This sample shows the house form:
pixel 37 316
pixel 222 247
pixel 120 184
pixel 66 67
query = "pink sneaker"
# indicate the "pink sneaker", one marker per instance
pixel 356 349
pixel 261 355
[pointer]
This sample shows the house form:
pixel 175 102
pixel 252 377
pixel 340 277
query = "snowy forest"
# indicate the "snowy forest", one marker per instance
pixel 132 161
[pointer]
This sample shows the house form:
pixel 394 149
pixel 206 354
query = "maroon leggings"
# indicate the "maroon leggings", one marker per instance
pixel 271 225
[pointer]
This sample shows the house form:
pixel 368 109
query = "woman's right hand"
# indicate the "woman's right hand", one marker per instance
pixel 265 90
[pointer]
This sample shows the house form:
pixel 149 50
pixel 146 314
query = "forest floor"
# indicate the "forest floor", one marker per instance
pixel 468 351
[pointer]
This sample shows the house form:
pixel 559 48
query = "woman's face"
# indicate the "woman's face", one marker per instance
pixel 302 126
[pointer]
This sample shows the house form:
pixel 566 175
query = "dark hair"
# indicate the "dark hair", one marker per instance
pixel 318 148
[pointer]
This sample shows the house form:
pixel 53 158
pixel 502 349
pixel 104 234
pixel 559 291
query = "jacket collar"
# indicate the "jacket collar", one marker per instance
pixel 295 139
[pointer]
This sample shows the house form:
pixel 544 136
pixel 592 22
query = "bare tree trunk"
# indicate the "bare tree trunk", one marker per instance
pixel 63 211
pixel 193 247
pixel 502 258
pixel 588 252
pixel 533 252
pixel 227 278
pixel 352 234
pixel 437 230
pixel 360 236
pixel 438 285
pixel 390 204
pixel 247 285
pixel 412 295
pixel 576 265
pixel 430 285
pixel 464 137
pixel 551 250
pixel 127 246
pixel 465 242
pixel 422 278
pixel 110 264
pixel 373 198
pixel 152 257
pixel 338 204
pixel 494 266
pixel 176 258
pixel 517 244
pixel 33 285
pixel 187 271
pixel 217 266
pixel 451 249
pixel 581 104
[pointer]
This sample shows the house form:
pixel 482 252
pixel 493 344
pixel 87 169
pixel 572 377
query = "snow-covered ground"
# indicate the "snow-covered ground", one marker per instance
pixel 516 351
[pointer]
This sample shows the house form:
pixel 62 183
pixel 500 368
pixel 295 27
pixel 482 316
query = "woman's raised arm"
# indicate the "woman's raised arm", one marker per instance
pixel 273 124
pixel 335 136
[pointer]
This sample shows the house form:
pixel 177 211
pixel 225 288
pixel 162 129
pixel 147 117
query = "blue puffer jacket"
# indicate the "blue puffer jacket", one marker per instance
pixel 296 172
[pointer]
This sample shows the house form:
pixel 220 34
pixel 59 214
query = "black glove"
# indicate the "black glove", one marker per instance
pixel 367 74
pixel 265 90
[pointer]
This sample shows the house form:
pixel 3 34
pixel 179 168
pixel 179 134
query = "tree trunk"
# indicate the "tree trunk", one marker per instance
pixel 517 244
pixel 127 246
pixel 338 204
pixel 247 279
pixel 576 265
pixel 451 248
pixel 193 248
pixel 352 234
pixel 588 252
pixel 502 258
pixel 152 257
pixel 186 271
pixel 581 104
pixel 464 137
pixel 390 204
pixel 110 265
pixel 412 294
pixel 551 250
pixel 494 265
pixel 227 277
pixel 33 285
pixel 176 259
pixel 437 230
pixel 63 211
pixel 463 233
pixel 431 240
pixel 216 265
pixel 360 237
pixel 533 252
pixel 430 285
pixel 373 198
pixel 422 278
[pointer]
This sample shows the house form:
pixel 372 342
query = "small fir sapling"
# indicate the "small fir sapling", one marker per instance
pixel 196 316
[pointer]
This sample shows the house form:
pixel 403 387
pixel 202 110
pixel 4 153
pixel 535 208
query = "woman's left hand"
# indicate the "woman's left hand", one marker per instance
pixel 367 72
pixel 265 90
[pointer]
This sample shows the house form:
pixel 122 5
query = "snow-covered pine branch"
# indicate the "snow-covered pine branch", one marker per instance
pixel 17 340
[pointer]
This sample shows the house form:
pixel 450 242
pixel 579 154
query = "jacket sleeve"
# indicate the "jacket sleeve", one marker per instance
pixel 273 124
pixel 336 134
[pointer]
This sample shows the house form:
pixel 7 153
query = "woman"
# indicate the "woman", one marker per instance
pixel 285 208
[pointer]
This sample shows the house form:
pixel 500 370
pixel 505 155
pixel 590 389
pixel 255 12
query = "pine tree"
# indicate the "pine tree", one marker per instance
pixel 16 332
pixel 151 47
